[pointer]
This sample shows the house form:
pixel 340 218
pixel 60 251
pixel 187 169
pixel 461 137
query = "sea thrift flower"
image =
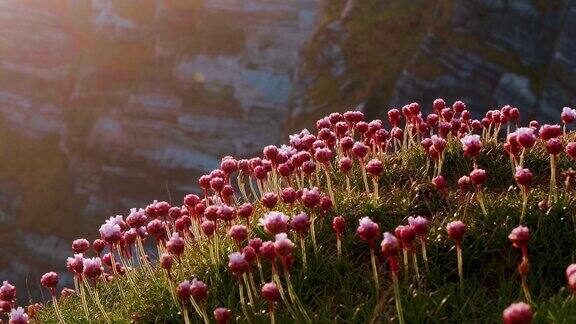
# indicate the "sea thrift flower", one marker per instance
pixel 18 316
pixel 338 225
pixel 288 195
pixel 374 167
pixel 136 218
pixel 237 263
pixel 478 178
pixel 518 313
pixel 439 183
pixel 571 149
pixel 7 292
pixel 390 247
pixel 300 223
pixel 406 234
pixel 175 245
pixel 98 245
pixel 271 294
pixel 199 290
pixel 456 231
pixel 274 222
pixel 166 261
pixel 208 228
pixel 269 200
pixel 80 245
pixel 245 211
pixel 519 237
pixel 464 183
pixel 420 226
pixel 222 315
pixel 110 233
pixel 184 291
pixel 311 197
pixel 283 246
pixel 369 231
pixel 238 233
pixel 50 281
pixel 471 145
pixel 93 268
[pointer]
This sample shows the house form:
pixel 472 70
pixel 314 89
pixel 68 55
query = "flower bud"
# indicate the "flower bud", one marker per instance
pixel 456 230
pixel 518 313
pixel 270 292
pixel 519 237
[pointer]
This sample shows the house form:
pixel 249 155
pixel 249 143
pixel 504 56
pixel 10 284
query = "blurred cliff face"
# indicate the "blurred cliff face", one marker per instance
pixel 488 53
pixel 108 104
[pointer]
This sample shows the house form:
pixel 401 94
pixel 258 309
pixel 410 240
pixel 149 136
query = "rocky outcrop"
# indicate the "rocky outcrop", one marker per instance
pixel 485 52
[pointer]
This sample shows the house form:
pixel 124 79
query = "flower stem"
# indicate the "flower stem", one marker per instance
pixel 397 297
pixel 339 247
pixel 303 251
pixel 313 232
pixel 526 290
pixel 375 184
pixel 329 183
pixel 524 203
pixel 416 271
pixel 375 271
pixel 460 264
pixel 424 254
pixel 364 177
pixel 185 315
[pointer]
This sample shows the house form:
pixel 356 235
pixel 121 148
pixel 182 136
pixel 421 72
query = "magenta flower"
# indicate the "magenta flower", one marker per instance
pixel 7 292
pixel 518 313
pixel 237 263
pixel 269 200
pixel 274 222
pixel 49 280
pixel 238 233
pixel 208 228
pixel 166 261
pixel 519 237
pixel 368 230
pixel 80 245
pixel 136 218
pixel 199 290
pixel 283 245
pixel 18 316
pixel 300 223
pixel 175 245
pixel 222 315
pixel 75 264
pixel 471 145
pixel 93 268
pixel 110 232
pixel 525 137
pixel 184 291
pixel 311 197
pixel 456 230
pixel 523 176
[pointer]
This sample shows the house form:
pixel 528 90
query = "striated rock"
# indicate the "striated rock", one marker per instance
pixel 514 90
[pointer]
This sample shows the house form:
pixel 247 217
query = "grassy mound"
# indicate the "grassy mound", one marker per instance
pixel 333 288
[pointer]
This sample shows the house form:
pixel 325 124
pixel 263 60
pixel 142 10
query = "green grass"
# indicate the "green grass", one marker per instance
pixel 342 290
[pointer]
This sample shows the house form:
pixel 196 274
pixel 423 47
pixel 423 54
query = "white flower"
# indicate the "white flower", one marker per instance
pixel 237 257
pixel 524 131
pixel 109 230
pixel 470 140
pixel 18 316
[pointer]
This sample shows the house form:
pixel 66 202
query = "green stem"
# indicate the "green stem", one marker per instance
pixel 397 297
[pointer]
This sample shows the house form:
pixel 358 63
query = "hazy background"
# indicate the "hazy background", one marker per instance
pixel 109 104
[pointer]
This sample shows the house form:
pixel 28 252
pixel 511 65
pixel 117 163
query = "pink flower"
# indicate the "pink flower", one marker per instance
pixel 419 224
pixel 406 234
pixel 338 225
pixel 208 228
pixel 311 197
pixel 237 263
pixel 288 195
pixel 439 183
pixel 523 176
pixel 478 177
pixel 571 149
pixel 267 250
pixel 360 150
pixel 222 315
pixel 18 316
pixel 390 245
pixel 519 237
pixel 136 218
pixel 368 230
pixel 245 210
pixel 554 146
pixel 93 268
pixel 80 245
pixel 283 245
pixel 226 213
pixel 550 131
pixel 217 184
pixel 568 115
pixel 525 137
pixel 438 104
pixel 199 290
pixel 456 230
pixel 323 155
pixel 184 291
pixel 269 200
pixel 49 280
pixel 238 233
pixel 98 245
pixel 300 223
pixel 190 200
pixel 518 313
pixel 76 263
pixel 464 183
pixel 228 165
pixel 471 145
pixel 166 261
pixel 374 167
pixel 270 292
pixel 274 222
pixel 7 292
pixel 157 228
pixel 255 243
pixel 110 232
pixel 175 244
